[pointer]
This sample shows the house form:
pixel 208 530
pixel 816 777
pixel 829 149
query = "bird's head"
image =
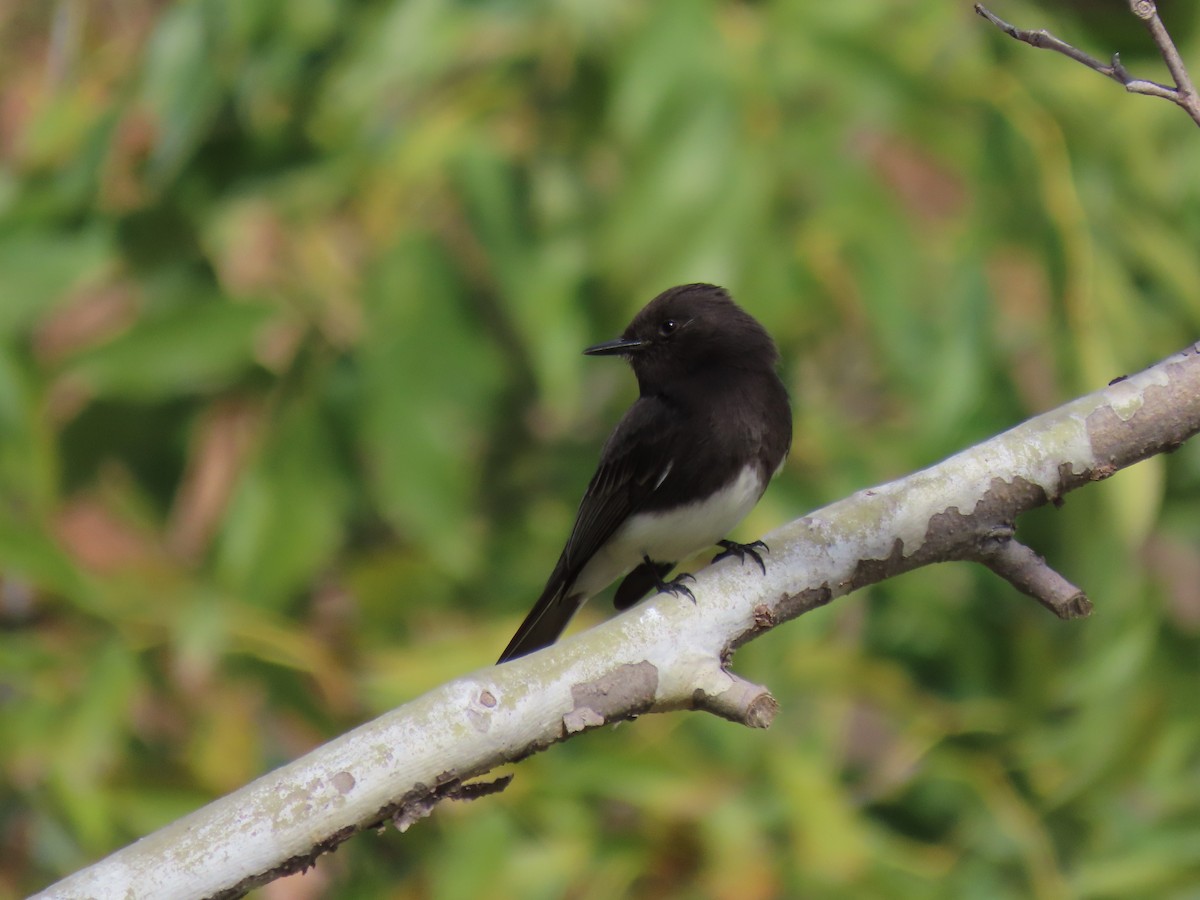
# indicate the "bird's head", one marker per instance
pixel 687 330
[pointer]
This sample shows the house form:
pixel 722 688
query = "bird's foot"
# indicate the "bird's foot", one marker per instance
pixel 675 586
pixel 741 551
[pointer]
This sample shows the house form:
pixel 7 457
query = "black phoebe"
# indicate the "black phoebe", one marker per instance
pixel 687 462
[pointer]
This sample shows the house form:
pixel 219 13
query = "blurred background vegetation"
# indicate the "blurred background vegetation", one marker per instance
pixel 294 420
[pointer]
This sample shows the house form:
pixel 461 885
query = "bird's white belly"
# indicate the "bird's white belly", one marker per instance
pixel 672 535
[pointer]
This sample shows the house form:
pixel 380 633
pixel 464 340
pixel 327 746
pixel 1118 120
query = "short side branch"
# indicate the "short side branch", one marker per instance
pixel 1028 573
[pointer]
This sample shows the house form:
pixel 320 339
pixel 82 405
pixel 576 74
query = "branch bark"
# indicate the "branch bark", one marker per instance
pixel 665 654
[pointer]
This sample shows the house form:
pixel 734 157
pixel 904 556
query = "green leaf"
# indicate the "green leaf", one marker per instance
pixel 430 379
pixel 284 524
pixel 39 267
pixel 181 84
pixel 196 347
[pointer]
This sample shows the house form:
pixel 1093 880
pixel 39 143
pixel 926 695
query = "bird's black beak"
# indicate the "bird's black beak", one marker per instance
pixel 615 348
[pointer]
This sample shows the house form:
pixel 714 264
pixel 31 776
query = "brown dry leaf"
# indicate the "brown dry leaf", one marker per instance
pixel 99 540
pixel 98 313
pixel 927 189
pixel 122 187
pixel 1023 302
pixel 1176 565
pixel 215 461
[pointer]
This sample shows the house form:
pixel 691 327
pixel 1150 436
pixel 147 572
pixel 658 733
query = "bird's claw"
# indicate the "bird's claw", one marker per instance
pixel 677 588
pixel 741 551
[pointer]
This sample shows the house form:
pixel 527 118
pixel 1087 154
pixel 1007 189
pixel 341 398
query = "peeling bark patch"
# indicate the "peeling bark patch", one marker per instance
pixel 1106 430
pixel 869 571
pixel 787 607
pixel 479 713
pixel 1002 498
pixel 1125 399
pixel 953 534
pixel 1172 406
pixel 300 863
pixel 476 789
pixel 417 803
pixel 582 719
pixel 1068 480
pixel 622 693
pixel 790 606
pixel 410 813
pixel 421 800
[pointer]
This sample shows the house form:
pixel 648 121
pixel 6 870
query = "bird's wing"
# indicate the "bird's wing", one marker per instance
pixel 634 463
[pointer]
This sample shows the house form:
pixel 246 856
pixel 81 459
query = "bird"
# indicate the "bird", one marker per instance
pixel 712 425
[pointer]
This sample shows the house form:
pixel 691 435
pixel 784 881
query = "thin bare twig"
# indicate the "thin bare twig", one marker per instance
pixel 1148 13
pixel 1183 93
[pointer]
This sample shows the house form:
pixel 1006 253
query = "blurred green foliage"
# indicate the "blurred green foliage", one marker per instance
pixel 293 422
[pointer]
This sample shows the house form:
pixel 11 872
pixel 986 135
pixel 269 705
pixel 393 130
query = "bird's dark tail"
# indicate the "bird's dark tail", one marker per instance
pixel 544 623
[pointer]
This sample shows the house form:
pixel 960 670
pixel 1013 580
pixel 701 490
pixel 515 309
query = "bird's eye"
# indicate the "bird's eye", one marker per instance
pixel 668 327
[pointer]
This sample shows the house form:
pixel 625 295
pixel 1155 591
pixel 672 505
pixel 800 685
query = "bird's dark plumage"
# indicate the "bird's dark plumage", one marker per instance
pixel 684 465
